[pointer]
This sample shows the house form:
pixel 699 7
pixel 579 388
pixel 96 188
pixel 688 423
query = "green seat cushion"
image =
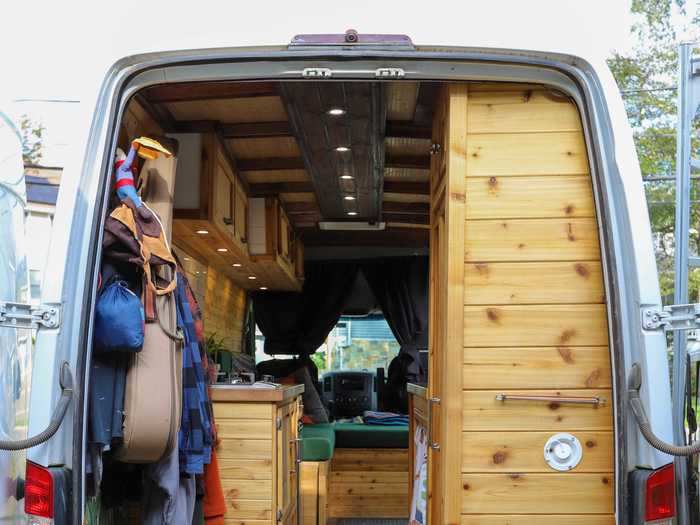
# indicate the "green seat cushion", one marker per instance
pixel 317 442
pixel 359 435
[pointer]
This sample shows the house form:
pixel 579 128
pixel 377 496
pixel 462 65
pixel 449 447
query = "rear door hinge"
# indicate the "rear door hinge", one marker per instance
pixel 317 72
pixel 278 423
pixel 389 72
pixel 25 315
pixel 672 317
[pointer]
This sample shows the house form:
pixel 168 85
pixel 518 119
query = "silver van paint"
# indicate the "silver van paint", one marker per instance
pixel 15 344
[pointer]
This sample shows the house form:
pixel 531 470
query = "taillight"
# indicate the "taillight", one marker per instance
pixel 661 495
pixel 38 491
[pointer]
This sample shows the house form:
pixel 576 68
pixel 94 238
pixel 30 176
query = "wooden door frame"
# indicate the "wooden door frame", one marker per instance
pixel 453 101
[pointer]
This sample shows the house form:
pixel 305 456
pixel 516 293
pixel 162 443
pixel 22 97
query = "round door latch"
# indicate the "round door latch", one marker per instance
pixel 563 452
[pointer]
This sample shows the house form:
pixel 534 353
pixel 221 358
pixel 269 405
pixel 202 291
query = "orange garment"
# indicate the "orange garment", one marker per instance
pixel 214 504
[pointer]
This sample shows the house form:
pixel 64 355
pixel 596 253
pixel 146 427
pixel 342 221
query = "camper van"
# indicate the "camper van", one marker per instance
pixel 381 282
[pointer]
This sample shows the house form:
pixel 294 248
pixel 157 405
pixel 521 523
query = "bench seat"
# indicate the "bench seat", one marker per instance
pixel 318 442
pixel 359 435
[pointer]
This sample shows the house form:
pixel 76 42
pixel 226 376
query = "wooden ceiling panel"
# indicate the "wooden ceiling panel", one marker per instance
pixel 256 177
pixel 401 100
pixel 406 146
pixel 406 174
pixel 264 147
pixel 230 110
pixel 298 197
pixel 405 197
pixel 360 129
pixel 181 91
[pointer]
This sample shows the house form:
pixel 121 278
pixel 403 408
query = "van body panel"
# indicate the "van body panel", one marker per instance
pixel 15 343
pixel 623 223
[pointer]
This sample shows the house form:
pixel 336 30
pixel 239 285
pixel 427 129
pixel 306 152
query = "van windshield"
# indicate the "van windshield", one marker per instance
pixel 355 343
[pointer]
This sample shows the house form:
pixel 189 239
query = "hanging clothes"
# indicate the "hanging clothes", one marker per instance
pixel 168 497
pixel 214 504
pixel 195 435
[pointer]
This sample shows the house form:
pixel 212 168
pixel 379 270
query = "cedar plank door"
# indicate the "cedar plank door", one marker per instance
pixel 517 297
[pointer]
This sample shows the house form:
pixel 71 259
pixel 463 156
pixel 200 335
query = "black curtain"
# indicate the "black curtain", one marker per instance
pixel 298 323
pixel 401 287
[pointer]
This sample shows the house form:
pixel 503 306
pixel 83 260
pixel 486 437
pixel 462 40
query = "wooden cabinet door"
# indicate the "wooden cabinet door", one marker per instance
pixel 448 167
pixel 222 212
pixel 287 466
pixel 285 237
pixel 240 212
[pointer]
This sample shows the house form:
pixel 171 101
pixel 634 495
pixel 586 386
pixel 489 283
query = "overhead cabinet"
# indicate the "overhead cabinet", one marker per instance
pixel 213 218
pixel 275 250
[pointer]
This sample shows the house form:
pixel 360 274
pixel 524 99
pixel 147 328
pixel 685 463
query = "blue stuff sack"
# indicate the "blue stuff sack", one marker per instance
pixel 119 320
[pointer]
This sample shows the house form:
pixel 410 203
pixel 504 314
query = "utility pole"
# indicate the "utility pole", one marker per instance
pixel 688 101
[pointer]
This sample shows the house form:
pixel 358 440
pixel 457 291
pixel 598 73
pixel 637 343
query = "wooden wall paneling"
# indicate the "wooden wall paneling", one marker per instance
pixel 483 412
pixel 540 519
pixel 535 318
pixel 503 197
pixel 532 240
pixel 522 452
pixel 533 283
pixel 541 112
pixel 368 483
pixel 308 484
pixel 536 325
pixel 551 367
pixel 551 493
pixel 561 153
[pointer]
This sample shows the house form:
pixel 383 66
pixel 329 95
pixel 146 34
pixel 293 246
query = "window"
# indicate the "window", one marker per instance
pixel 358 343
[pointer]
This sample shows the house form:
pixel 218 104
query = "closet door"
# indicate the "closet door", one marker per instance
pixel 536 440
pixel 447 202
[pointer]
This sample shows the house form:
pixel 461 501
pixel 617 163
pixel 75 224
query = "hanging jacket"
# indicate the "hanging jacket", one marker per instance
pixel 195 435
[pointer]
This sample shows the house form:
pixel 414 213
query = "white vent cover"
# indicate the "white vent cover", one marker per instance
pixel 563 452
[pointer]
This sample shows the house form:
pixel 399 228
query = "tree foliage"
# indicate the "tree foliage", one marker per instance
pixel 32 140
pixel 647 77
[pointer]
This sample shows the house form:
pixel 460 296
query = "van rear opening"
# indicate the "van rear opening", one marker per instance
pixel 291 206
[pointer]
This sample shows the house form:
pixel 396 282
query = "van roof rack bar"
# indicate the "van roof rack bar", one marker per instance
pixel 352 38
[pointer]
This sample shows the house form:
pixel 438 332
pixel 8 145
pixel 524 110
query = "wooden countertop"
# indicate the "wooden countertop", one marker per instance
pixel 230 393
pixel 417 390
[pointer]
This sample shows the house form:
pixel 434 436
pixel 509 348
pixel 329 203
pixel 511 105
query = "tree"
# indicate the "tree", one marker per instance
pixel 32 140
pixel 647 78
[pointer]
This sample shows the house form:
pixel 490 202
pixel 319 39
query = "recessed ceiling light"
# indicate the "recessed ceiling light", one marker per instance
pixel 263 287
pixel 347 177
pixel 187 259
pixel 336 112
pixel 349 197
pixel 236 265
pixel 252 277
pixel 202 232
pixel 342 149
pixel 352 213
pixel 222 250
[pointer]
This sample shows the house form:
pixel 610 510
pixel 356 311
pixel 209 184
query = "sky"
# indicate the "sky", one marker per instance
pixel 60 51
